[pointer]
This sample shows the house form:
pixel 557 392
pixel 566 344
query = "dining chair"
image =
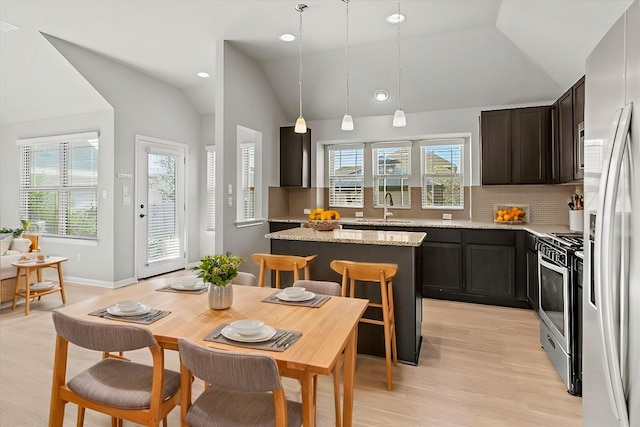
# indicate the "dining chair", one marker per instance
pixel 280 263
pixel 245 279
pixel 381 273
pixel 244 389
pixel 334 289
pixel 114 386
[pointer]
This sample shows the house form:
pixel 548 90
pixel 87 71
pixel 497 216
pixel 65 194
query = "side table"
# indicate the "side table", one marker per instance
pixel 25 268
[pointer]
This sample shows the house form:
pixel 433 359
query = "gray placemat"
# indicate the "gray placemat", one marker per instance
pixel 316 301
pixel 145 319
pixel 168 288
pixel 281 341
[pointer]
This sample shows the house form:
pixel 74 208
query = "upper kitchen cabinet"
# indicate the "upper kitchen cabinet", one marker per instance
pixel 295 158
pixel 516 145
pixel 570 133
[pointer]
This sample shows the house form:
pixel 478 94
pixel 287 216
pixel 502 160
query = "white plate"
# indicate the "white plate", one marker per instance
pixel 305 297
pixel 115 311
pixel 266 333
pixel 40 286
pixel 182 287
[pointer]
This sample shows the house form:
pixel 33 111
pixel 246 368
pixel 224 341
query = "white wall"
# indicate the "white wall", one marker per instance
pixel 96 265
pixel 146 106
pixel 245 98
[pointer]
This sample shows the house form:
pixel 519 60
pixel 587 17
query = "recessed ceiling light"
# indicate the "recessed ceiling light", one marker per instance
pixel 287 37
pixel 6 27
pixel 395 18
pixel 381 95
pixel 203 74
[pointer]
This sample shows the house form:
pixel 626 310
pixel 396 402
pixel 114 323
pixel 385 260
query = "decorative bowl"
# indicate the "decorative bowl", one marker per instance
pixel 128 306
pixel 294 291
pixel 511 213
pixel 247 326
pixel 323 224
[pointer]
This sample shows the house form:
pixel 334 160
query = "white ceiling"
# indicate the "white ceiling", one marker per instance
pixel 455 53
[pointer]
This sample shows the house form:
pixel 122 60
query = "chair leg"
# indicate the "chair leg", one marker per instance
pixel 387 334
pixel 336 395
pixel 392 316
pixel 80 421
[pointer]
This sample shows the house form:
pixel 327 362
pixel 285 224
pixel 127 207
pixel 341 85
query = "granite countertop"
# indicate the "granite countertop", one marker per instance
pixel 366 237
pixel 537 229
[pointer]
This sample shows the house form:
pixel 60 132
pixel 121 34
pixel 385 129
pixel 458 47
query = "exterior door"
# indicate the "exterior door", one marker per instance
pixel 160 206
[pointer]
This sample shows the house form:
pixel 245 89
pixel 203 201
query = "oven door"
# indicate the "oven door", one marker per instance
pixel 554 300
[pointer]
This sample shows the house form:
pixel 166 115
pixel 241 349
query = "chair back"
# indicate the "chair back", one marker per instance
pixel 245 279
pixel 320 287
pixel 102 337
pixel 353 271
pixel 245 372
pixel 280 263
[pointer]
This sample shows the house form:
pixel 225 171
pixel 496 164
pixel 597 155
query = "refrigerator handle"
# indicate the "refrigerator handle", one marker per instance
pixel 604 269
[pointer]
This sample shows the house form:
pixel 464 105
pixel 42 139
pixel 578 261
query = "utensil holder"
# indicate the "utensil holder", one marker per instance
pixel 576 220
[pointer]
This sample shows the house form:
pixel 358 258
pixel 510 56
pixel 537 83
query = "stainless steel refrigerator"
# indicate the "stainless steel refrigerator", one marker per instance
pixel 611 328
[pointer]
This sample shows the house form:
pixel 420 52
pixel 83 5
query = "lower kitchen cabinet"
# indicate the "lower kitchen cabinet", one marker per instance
pixel 490 271
pixel 481 266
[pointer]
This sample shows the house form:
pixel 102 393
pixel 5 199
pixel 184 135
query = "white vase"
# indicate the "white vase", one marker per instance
pixel 220 297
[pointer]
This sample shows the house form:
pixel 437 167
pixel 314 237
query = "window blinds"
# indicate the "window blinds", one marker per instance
pixel 392 173
pixel 346 176
pixel 59 185
pixel 248 182
pixel 211 190
pixel 442 173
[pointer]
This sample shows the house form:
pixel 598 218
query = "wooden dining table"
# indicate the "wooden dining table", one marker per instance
pixel 327 331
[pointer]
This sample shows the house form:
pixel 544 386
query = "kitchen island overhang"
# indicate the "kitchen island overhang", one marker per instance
pixel 398 247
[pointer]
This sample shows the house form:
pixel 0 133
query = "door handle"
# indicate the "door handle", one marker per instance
pixel 142 215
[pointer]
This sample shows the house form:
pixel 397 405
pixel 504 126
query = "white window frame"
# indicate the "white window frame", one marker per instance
pixel 378 178
pixel 64 145
pixel 211 188
pixel 427 176
pixel 357 193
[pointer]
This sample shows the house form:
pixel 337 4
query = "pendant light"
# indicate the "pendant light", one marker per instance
pixel 301 125
pixel 399 119
pixel 347 120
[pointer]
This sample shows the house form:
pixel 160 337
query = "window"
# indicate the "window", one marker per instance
pixel 59 184
pixel 392 174
pixel 211 189
pixel 247 189
pixel 442 173
pixel 346 177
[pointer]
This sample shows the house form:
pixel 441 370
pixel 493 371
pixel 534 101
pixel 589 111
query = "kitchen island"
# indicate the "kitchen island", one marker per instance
pixel 398 247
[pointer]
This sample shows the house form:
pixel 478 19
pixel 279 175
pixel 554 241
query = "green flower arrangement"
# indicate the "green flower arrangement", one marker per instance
pixel 17 232
pixel 219 269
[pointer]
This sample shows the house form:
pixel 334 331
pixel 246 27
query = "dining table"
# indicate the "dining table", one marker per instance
pixel 328 331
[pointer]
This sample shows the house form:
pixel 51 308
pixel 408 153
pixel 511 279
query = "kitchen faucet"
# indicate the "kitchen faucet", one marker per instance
pixel 386 206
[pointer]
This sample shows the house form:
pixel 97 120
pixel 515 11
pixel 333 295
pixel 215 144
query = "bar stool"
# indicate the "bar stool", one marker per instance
pixel 279 263
pixel 370 272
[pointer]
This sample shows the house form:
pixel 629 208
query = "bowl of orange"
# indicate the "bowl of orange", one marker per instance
pixel 511 213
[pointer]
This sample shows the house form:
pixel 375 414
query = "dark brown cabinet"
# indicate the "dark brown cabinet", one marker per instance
pixel 442 266
pixel 516 146
pixel 496 146
pixel 295 158
pixel 569 144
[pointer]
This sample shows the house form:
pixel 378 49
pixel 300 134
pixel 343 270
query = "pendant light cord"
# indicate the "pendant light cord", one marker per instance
pixel 347 56
pixel 399 66
pixel 300 48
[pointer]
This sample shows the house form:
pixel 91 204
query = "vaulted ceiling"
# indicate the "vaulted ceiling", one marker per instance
pixel 454 53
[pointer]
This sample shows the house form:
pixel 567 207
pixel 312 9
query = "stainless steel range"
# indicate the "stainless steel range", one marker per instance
pixel 560 305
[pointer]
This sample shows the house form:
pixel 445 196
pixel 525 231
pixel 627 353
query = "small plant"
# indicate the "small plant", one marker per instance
pixel 219 269
pixel 17 232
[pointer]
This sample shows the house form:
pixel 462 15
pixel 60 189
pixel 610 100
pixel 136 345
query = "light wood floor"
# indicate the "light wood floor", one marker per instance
pixel 479 366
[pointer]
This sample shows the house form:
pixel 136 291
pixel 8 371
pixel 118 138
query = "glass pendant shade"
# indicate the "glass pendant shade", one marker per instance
pixel 399 119
pixel 347 122
pixel 301 125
